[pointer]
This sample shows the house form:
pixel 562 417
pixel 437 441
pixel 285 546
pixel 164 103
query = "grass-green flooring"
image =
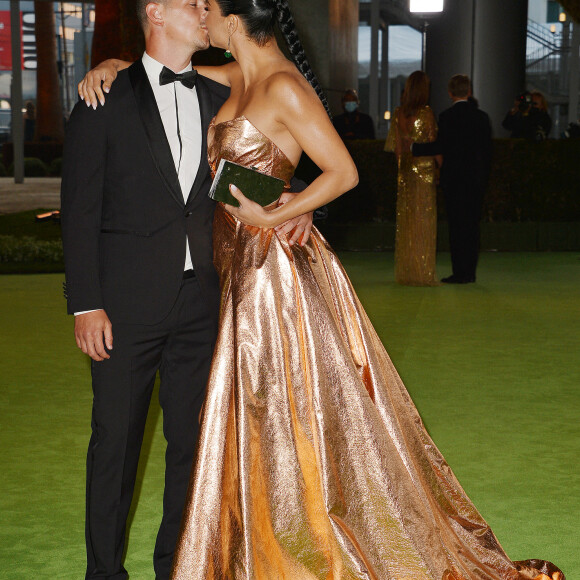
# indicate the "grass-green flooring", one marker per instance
pixel 493 367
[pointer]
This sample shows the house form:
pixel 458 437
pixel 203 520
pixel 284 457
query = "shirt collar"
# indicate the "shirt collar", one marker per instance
pixel 153 68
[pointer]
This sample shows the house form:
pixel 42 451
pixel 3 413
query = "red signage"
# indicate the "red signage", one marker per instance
pixel 27 41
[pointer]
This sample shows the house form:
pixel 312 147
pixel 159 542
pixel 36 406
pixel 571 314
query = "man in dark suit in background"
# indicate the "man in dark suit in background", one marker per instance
pixel 137 236
pixel 464 140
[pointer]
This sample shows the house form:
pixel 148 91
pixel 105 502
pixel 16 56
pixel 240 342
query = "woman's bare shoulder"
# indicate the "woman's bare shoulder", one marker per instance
pixel 290 90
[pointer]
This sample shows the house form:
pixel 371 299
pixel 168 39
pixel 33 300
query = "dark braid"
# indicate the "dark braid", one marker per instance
pixel 288 29
pixel 259 17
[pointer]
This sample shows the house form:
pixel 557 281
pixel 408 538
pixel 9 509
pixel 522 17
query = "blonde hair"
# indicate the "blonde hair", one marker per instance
pixel 543 102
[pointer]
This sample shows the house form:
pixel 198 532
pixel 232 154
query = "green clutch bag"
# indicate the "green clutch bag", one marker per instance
pixel 259 187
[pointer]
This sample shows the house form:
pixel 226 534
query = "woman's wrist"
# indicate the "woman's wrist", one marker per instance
pixel 273 218
pixel 115 63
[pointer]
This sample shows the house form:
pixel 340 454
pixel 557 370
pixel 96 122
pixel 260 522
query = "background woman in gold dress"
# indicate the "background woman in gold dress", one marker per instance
pixel 416 236
pixel 313 461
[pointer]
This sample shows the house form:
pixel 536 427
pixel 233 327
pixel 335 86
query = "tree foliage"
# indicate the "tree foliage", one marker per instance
pixel 117 31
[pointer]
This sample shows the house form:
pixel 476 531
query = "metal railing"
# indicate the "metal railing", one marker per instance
pixel 547 54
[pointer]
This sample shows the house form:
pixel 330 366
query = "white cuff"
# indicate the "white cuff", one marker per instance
pixel 87 311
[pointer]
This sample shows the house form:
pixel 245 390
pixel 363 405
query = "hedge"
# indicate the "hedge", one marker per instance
pixel 33 167
pixel 528 182
pixel 28 249
pixel 46 152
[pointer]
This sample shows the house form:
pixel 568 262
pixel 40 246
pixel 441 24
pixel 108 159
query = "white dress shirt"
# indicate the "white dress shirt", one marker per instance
pixel 189 126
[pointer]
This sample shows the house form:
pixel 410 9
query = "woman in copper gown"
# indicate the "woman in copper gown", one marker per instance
pixel 313 461
pixel 416 233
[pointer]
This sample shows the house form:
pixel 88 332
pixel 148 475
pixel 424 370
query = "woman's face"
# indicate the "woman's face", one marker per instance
pixel 216 25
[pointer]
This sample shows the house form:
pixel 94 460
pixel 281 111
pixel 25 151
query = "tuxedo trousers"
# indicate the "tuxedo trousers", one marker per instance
pixel 463 202
pixel 180 347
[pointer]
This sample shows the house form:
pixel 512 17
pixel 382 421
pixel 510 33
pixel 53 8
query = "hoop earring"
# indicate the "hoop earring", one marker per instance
pixel 228 53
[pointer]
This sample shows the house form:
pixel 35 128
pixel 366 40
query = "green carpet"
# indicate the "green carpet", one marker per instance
pixel 493 368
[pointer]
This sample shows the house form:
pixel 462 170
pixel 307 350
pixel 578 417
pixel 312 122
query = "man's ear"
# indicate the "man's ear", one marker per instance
pixel 154 13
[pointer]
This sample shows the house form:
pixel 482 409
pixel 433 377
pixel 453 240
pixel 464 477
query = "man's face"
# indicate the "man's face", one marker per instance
pixel 184 23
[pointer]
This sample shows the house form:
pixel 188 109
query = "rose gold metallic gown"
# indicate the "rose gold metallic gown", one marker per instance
pixel 313 462
pixel 416 228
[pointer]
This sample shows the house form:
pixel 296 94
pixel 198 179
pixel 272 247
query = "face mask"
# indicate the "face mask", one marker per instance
pixel 350 106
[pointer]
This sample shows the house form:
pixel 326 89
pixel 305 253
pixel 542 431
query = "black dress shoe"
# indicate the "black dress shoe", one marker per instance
pixel 453 279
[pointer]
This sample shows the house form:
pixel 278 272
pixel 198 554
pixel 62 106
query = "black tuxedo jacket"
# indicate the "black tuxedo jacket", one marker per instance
pixel 124 219
pixel 464 140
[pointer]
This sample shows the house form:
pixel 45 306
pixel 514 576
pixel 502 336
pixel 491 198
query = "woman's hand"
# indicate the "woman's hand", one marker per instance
pixel 300 227
pixel 90 87
pixel 250 212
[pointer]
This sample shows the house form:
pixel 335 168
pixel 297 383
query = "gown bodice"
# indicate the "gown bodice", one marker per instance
pixel 238 140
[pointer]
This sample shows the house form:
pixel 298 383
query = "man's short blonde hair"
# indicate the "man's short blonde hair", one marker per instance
pixel 140 7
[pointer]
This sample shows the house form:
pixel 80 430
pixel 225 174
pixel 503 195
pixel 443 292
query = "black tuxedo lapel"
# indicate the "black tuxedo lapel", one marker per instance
pixel 206 114
pixel 153 126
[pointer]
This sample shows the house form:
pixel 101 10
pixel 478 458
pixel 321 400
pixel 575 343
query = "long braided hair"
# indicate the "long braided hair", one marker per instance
pixel 260 17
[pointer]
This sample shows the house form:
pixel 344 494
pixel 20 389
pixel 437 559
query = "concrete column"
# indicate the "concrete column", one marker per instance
pixel 16 93
pixel 499 56
pixel 374 72
pixel 385 86
pixel 329 31
pixel 574 74
pixel 485 39
pixel 449 48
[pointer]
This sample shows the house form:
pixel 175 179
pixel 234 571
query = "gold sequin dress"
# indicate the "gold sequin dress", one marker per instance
pixel 313 462
pixel 416 231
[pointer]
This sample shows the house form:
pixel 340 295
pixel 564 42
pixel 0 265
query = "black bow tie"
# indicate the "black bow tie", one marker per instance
pixel 187 79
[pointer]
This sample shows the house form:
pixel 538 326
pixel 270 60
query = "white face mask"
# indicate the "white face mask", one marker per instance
pixel 350 106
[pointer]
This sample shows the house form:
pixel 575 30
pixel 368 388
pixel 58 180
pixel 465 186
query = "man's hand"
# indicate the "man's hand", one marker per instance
pixel 90 329
pixel 300 226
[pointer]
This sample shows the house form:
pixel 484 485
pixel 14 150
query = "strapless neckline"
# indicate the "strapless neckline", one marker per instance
pixel 213 125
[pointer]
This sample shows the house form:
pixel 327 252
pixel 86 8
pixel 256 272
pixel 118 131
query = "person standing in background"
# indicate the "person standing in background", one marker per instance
pixel 29 122
pixel 353 124
pixel 416 234
pixel 529 118
pixel 464 141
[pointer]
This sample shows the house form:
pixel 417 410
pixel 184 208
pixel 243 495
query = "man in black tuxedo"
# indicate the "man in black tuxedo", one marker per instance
pixel 137 235
pixel 464 140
